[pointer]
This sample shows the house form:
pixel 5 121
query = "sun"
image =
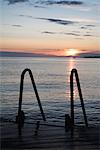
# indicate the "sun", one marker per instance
pixel 71 52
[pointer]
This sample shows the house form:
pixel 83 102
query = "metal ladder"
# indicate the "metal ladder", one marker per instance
pixel 74 71
pixel 20 117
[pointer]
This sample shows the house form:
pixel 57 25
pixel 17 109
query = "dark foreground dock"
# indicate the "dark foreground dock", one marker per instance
pixel 48 137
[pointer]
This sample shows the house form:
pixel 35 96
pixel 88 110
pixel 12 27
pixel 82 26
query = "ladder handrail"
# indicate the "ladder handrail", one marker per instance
pixel 35 90
pixel 74 71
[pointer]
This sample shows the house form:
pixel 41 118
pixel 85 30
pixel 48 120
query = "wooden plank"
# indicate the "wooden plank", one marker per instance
pixel 49 137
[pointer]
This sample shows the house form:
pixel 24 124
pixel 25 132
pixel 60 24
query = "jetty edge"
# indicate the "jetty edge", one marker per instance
pixel 48 137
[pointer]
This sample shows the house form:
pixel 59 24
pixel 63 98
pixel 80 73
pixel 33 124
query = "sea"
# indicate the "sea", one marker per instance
pixel 52 78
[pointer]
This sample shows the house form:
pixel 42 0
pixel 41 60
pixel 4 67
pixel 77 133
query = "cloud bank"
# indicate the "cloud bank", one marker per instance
pixel 60 2
pixel 17 25
pixel 38 3
pixel 79 35
pixel 48 32
pixel 15 1
pixel 58 21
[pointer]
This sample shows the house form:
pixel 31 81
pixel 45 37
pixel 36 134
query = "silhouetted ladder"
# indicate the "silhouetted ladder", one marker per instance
pixel 74 71
pixel 20 112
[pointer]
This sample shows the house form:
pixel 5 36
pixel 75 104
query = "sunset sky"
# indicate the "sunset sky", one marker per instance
pixel 50 26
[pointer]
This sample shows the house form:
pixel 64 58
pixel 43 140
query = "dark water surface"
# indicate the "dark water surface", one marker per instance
pixel 52 80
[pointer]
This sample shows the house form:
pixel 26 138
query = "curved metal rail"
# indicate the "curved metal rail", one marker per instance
pixel 35 90
pixel 74 71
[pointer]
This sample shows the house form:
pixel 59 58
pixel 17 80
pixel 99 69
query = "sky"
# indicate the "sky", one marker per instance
pixel 50 26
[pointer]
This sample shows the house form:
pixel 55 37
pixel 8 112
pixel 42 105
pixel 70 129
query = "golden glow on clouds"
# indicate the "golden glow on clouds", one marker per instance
pixel 38 46
pixel 22 30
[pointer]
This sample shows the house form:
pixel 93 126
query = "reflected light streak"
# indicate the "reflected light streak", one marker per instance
pixel 71 65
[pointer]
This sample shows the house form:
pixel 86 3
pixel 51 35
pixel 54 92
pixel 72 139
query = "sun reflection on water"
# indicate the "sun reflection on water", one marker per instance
pixel 71 65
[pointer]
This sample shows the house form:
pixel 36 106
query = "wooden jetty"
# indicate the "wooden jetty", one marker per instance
pixel 48 137
pixel 44 136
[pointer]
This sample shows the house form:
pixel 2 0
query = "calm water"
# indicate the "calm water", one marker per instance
pixel 52 79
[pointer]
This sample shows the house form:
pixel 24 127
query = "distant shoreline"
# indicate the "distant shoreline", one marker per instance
pixel 21 54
